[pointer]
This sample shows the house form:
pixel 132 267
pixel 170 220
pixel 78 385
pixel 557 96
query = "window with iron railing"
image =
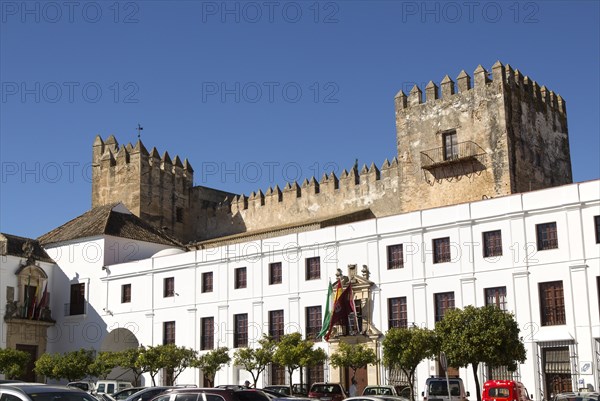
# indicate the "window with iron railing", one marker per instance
pixel 395 257
pixel 276 324
pixel 552 303
pixel 444 302
pixel 397 314
pixel 492 243
pixel 313 322
pixel 547 236
pixel 240 330
pixel 441 250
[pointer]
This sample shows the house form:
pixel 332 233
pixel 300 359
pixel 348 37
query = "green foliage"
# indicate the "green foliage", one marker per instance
pixel 104 363
pixel 354 356
pixel 150 361
pixel 481 335
pixel 293 352
pixel 405 348
pixel 128 359
pixel 72 366
pixel 176 359
pixel 212 361
pixel 255 360
pixel 75 365
pixel 13 362
pixel 45 364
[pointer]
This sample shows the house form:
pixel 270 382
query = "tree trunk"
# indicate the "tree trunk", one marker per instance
pixel 411 383
pixel 475 365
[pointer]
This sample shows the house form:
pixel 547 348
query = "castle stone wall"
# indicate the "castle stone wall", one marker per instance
pixel 510 135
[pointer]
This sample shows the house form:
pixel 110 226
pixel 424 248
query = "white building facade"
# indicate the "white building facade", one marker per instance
pixel 534 254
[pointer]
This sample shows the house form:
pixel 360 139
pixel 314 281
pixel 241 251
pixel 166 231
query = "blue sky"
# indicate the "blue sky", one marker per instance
pixel 256 93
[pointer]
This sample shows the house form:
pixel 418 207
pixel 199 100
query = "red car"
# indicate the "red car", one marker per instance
pixel 327 391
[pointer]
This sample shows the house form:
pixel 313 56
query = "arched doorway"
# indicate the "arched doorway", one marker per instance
pixel 120 339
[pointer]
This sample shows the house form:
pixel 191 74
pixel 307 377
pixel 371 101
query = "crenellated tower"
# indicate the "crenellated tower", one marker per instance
pixel 456 143
pixel 502 135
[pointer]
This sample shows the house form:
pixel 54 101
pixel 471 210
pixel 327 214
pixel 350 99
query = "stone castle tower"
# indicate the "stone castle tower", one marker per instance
pixel 501 136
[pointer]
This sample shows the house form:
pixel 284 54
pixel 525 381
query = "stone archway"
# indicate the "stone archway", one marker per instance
pixel 120 339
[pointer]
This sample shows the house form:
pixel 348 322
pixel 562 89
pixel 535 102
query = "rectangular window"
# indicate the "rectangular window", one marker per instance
pixel 397 316
pixel 77 304
pixel 547 236
pixel 315 374
pixel 276 324
pixel 444 301
pixel 275 276
pixel 207 339
pixel 179 214
pixel 313 268
pixel 313 322
pixel 441 250
pixel 597 228
pixel 496 296
pixel 207 282
pixel 277 374
pixel 552 303
pixel 450 145
pixel 125 293
pixel 492 243
pixel 395 257
pixel 240 330
pixel 169 333
pixel 169 287
pixel 240 278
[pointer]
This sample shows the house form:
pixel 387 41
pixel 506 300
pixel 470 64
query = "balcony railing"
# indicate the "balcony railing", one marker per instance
pixel 74 309
pixel 460 152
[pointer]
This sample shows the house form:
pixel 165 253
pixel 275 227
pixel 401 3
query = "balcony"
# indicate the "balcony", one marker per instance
pixel 461 152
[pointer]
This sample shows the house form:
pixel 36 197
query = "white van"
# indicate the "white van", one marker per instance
pixel 111 386
pixel 436 389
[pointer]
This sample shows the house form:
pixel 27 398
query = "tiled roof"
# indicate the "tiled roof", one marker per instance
pixel 13 245
pixel 114 220
pixel 307 225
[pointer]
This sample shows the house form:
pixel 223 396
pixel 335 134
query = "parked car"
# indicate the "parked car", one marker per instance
pixel 148 393
pixel 398 391
pixel 376 398
pixel 327 391
pixel 42 392
pixel 212 394
pixel 577 396
pixel 84 385
pixel 123 394
pixel 283 389
pixel 504 390
pixel 111 386
pixel 436 389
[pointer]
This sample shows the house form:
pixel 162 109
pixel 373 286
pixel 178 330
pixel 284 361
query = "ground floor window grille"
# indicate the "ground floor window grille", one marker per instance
pixel 556 367
pixel 277 374
pixel 500 373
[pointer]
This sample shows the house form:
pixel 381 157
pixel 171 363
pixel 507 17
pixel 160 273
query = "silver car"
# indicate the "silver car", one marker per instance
pixel 42 392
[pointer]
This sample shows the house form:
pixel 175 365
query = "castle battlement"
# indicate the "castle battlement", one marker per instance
pixel 501 76
pixel 456 143
pixel 110 154
pixel 369 183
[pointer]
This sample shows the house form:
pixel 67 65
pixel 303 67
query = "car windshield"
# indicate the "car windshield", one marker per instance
pixel 60 396
pixel 441 388
pixel 325 388
pixel 377 391
pixel 499 392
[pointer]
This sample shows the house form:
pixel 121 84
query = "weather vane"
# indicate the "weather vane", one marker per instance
pixel 139 130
